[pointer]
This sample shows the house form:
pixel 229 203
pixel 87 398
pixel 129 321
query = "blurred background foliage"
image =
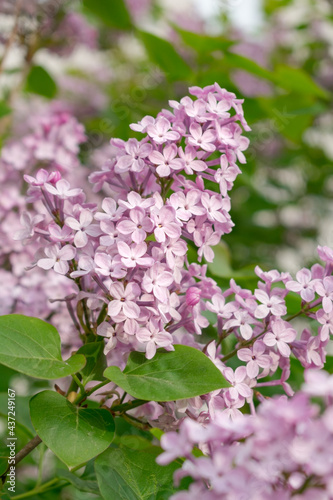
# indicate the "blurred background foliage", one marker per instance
pixel 113 61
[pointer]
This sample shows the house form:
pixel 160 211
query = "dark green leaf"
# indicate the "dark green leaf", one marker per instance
pixel 40 82
pixel 80 484
pixel 183 373
pixel 32 346
pixel 112 13
pixel 162 53
pixel 127 474
pixel 96 361
pixel 74 434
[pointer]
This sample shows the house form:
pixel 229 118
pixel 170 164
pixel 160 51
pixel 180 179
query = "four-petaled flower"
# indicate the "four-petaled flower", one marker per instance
pixel 281 335
pixel 124 300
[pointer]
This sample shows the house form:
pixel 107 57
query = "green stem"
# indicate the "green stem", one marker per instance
pixel 95 388
pixel 40 489
pixel 128 406
pixel 40 465
pixel 243 344
pixel 78 383
pixel 102 314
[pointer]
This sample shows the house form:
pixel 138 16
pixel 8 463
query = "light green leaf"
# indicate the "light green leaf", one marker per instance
pixel 112 13
pixel 221 266
pixel 4 109
pixel 183 373
pixel 240 62
pixel 297 80
pixel 32 346
pixel 162 53
pixel 203 43
pixel 74 434
pixel 40 82
pixel 127 474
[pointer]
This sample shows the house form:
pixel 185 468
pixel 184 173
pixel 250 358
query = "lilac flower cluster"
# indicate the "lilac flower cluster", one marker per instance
pixel 131 258
pixel 51 137
pixel 54 140
pixel 282 452
pixel 126 276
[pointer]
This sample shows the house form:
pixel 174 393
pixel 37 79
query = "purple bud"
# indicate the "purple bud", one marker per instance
pixel 192 296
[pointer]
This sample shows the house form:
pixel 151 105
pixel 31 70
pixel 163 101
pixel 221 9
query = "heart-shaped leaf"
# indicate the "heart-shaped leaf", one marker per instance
pixel 32 346
pixel 74 434
pixel 133 474
pixel 183 373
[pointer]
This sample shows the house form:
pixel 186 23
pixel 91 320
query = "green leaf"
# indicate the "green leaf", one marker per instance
pixel 203 43
pixel 297 80
pixel 240 62
pixel 40 82
pixel 112 13
pixel 221 266
pixel 293 303
pixel 80 484
pixel 4 109
pixel 22 416
pixel 183 373
pixel 96 361
pixel 74 434
pixel 162 53
pixel 32 346
pixel 126 474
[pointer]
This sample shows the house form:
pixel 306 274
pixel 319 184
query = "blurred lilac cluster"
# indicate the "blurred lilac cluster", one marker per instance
pixel 50 138
pixel 282 452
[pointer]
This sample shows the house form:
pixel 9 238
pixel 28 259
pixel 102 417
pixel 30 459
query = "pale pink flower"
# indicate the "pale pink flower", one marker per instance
pixel 112 212
pixel 29 224
pixel 213 205
pixel 280 336
pixel 255 358
pixel 242 320
pixel 269 305
pixel 57 258
pixel 190 162
pixel 187 205
pixel 166 161
pixel 62 189
pixel 134 158
pixel 160 131
pixel 134 200
pixel 203 140
pixel 205 239
pixel 219 306
pixel 83 228
pixel 325 289
pixel 138 225
pixel 165 224
pixel 237 378
pixel 134 255
pixel 154 337
pixel 304 285
pixel 157 281
pixel 226 175
pixel 124 300
pixel 325 319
